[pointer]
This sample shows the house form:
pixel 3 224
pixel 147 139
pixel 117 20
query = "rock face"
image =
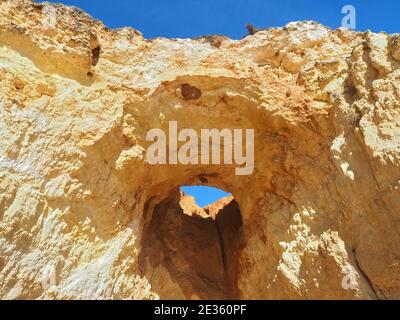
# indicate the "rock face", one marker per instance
pixel 318 218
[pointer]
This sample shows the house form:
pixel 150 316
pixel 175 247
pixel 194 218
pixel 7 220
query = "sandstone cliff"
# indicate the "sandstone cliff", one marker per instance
pixel 77 196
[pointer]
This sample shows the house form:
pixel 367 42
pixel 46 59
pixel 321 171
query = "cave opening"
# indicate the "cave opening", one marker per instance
pixel 204 195
pixel 192 252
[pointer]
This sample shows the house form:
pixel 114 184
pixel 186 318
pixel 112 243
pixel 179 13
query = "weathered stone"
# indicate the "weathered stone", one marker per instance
pixel 77 197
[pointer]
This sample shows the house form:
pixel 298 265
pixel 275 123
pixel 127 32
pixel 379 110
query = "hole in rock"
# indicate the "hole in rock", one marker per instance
pixel 191 252
pixel 190 92
pixel 203 195
pixel 95 55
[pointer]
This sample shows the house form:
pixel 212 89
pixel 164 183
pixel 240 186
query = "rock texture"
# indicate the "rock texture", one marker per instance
pixel 76 195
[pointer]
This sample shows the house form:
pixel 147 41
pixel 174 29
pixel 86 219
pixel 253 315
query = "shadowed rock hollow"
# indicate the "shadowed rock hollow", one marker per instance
pixel 186 252
pixel 77 196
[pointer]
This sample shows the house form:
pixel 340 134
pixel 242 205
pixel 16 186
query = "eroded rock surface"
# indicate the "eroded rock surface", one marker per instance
pixel 76 195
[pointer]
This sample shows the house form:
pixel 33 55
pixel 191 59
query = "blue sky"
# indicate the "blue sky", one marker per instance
pixel 205 195
pixel 192 18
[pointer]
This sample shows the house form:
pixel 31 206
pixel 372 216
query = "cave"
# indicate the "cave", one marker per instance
pixel 191 252
pixel 77 195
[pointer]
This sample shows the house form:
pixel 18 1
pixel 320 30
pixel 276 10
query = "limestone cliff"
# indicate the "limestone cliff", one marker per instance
pixel 76 195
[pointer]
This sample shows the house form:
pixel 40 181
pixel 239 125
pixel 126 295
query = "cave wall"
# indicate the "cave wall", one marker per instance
pixel 76 195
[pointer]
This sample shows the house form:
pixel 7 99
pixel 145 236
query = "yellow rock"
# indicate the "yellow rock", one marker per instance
pixel 83 216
